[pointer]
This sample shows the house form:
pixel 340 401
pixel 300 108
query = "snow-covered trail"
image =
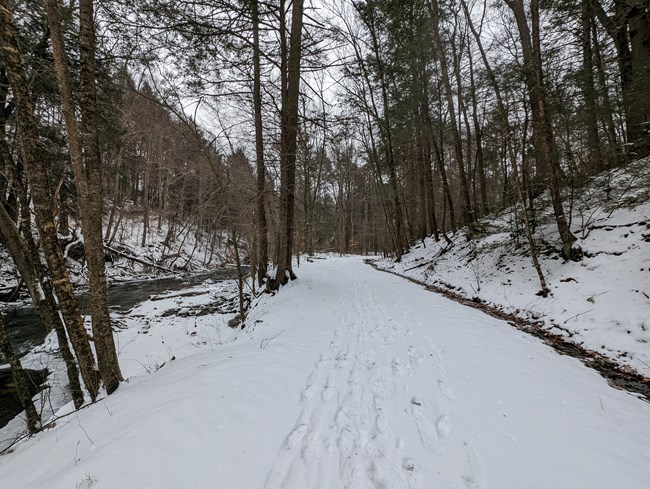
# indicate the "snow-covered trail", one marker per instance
pixel 415 391
pixel 354 378
pixel 369 390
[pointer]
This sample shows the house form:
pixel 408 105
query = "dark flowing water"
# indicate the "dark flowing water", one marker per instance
pixel 27 331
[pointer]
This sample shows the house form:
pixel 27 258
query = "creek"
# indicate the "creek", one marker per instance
pixel 27 331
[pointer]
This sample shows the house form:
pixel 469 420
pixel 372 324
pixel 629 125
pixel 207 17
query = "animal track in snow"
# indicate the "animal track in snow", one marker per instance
pixel 327 394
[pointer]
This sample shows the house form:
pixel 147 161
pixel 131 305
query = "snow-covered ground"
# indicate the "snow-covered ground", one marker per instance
pixel 348 378
pixel 601 301
pixel 159 331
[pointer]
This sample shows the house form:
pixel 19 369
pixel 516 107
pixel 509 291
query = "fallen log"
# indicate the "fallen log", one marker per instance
pixel 138 260
pixel 192 293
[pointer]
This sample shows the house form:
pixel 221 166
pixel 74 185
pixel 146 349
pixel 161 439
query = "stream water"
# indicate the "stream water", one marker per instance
pixel 27 331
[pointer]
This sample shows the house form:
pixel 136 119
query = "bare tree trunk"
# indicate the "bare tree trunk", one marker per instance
pixel 449 201
pixel 288 144
pixel 589 91
pixel 509 147
pixel 545 150
pixel 25 257
pixel 33 159
pixel 480 163
pixel 468 212
pixel 607 112
pixel 260 209
pixel 20 378
pixel 145 204
pixel 629 28
pixel 86 165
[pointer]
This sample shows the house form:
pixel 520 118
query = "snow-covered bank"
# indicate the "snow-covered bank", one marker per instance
pixel 601 302
pixel 182 328
pixel 348 378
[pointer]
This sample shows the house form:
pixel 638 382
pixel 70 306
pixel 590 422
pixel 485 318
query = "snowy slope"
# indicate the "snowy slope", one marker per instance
pixel 601 302
pixel 352 378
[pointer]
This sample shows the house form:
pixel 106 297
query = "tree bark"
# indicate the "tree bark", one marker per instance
pixel 20 378
pixel 467 211
pixel 42 201
pixel 28 264
pixel 86 165
pixel 260 209
pixel 589 90
pixel 545 150
pixel 109 367
pixel 528 227
pixel 288 145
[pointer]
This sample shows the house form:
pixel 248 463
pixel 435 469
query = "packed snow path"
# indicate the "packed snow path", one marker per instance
pixel 351 378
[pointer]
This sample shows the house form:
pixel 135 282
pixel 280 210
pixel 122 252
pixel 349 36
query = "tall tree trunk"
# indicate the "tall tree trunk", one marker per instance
pixel 288 145
pixel 260 208
pixel 606 110
pixel 42 201
pixel 589 91
pixel 545 150
pixel 629 28
pixel 86 165
pixel 109 367
pixel 478 136
pixel 467 211
pixel 503 113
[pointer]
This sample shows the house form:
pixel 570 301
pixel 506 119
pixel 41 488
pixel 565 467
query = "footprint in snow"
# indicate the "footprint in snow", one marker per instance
pixel 327 394
pixel 328 391
pixel 295 437
pixel 358 479
pixel 308 393
pixel 443 426
pixel 446 390
pixel 414 356
pixel 473 476
pixel 341 420
pixel 345 441
pixel 399 368
pixel 428 434
pixel 414 478
pixel 408 464
pixel 381 422
pixel 416 408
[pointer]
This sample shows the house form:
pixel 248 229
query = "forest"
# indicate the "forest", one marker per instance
pixel 182 136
